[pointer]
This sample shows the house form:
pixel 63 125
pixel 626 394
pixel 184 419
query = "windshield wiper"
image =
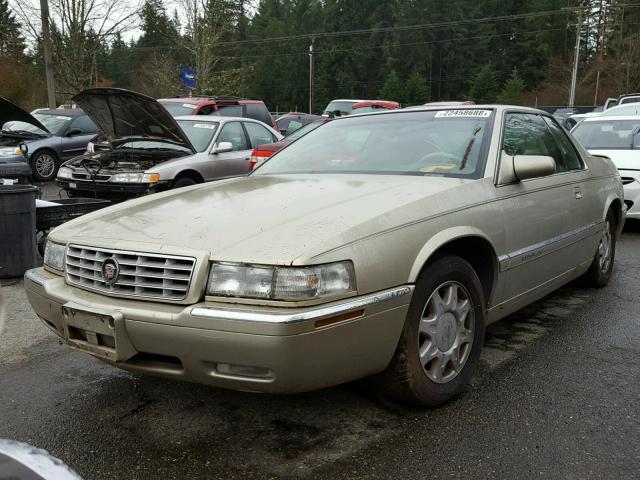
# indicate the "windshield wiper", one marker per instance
pixel 467 151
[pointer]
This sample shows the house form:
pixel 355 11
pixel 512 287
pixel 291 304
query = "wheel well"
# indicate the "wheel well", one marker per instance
pixel 189 174
pixel 480 255
pixel 616 208
pixel 45 149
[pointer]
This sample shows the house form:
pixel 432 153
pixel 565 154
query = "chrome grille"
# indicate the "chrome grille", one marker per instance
pixel 627 180
pixel 145 275
pixel 86 176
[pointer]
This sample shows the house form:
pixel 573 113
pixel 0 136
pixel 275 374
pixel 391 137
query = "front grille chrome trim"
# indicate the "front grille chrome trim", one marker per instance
pixel 142 275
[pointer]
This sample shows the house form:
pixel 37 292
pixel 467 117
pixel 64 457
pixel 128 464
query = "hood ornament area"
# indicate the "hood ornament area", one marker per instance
pixel 110 271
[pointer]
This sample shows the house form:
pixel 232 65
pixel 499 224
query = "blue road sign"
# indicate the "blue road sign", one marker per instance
pixel 188 77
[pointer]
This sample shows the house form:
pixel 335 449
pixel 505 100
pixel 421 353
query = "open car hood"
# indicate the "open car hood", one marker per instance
pixel 122 115
pixel 10 112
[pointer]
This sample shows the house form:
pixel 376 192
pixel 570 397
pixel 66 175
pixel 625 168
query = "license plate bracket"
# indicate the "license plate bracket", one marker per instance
pixel 99 333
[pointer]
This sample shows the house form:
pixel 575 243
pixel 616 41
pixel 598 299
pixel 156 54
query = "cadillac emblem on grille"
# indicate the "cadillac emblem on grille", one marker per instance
pixel 110 270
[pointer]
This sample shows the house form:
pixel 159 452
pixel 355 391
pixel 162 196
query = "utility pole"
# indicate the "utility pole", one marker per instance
pixel 601 56
pixel 576 58
pixel 46 45
pixel 311 75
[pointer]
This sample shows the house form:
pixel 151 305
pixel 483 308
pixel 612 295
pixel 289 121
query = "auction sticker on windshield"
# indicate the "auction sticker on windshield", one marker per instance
pixel 463 113
pixel 204 125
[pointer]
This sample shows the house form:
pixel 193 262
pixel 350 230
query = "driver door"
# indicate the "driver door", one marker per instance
pixel 544 220
pixel 233 163
pixel 80 131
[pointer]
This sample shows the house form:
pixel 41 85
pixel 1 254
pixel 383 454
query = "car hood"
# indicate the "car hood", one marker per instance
pixel 10 112
pixel 123 115
pixel 622 159
pixel 267 218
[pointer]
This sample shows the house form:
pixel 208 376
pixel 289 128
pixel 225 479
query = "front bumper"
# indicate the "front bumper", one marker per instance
pixel 85 187
pixel 242 347
pixel 632 193
pixel 16 169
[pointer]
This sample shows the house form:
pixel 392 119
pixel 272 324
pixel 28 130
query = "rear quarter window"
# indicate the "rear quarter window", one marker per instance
pixel 258 111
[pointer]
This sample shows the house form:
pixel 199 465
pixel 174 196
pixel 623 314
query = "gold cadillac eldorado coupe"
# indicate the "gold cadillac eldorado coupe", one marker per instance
pixel 378 245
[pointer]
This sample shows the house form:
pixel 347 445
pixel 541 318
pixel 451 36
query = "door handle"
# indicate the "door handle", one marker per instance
pixel 577 191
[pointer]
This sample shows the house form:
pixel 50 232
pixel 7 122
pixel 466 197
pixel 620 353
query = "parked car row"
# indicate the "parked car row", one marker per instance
pixel 151 151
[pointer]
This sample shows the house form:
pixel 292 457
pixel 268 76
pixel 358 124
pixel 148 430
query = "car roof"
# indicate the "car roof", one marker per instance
pixel 376 103
pixel 611 117
pixel 198 100
pixel 214 118
pixel 67 112
pixel 426 108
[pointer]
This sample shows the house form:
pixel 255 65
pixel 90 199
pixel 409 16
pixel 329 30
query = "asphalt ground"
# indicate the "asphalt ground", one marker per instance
pixel 556 396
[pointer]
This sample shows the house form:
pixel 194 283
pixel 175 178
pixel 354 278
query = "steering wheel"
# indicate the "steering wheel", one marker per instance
pixel 440 154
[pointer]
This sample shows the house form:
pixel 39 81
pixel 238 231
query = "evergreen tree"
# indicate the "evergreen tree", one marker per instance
pixel 513 90
pixel 392 88
pixel 484 88
pixel 416 90
pixel 11 42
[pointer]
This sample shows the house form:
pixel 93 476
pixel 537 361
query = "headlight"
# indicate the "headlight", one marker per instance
pixel 65 172
pixel 281 283
pixel 135 178
pixel 4 151
pixel 54 256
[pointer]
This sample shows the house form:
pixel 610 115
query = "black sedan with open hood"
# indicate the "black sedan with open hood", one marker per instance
pixel 140 134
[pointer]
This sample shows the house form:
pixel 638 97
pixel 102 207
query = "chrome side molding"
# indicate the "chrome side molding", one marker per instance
pixel 313 313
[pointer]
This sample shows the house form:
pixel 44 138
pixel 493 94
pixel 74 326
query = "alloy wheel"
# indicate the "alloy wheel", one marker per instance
pixel 45 165
pixel 446 332
pixel 604 248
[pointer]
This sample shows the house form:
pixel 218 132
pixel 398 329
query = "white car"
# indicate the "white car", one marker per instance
pixel 619 139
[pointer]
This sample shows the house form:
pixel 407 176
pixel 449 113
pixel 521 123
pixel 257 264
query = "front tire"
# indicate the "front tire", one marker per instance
pixel 442 336
pixel 184 182
pixel 44 166
pixel 601 267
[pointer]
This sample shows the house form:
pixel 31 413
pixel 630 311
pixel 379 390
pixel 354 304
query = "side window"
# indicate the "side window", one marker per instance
pixel 84 124
pixel 528 134
pixel 234 133
pixel 258 134
pixel 571 160
pixel 206 110
pixel 258 111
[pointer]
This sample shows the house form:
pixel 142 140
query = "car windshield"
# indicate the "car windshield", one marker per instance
pixel 343 107
pixel 303 130
pixel 609 134
pixel 199 133
pixel 179 109
pixel 53 123
pixel 228 111
pixel 444 142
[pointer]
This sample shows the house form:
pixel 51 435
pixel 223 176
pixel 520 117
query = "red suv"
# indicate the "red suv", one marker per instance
pixel 222 106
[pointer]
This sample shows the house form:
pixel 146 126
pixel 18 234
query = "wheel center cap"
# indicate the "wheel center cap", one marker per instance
pixel 447 330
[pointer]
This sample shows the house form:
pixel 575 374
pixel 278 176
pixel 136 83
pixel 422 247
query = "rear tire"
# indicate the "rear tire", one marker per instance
pixel 601 267
pixel 442 336
pixel 184 182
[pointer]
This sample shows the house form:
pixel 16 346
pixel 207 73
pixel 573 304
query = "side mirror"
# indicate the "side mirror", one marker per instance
pixel 73 132
pixel 533 166
pixel 223 147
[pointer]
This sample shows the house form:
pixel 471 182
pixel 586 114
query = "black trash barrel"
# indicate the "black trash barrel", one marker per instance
pixel 18 246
